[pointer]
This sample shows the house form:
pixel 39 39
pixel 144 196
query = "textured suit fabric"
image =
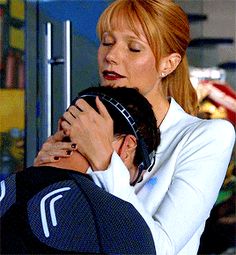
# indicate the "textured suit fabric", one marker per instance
pixel 48 210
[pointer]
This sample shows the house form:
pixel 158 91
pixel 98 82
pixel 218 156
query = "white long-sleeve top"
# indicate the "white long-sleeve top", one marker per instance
pixel 176 197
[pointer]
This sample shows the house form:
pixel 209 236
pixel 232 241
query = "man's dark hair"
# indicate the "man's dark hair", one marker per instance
pixel 137 106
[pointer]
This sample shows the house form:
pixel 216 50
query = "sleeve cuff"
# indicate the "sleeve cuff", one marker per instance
pixel 115 179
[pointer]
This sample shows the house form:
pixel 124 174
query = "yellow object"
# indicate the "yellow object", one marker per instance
pixel 11 109
pixel 214 111
pixel 16 38
pixel 17 10
pixel 3 1
pixel 16 151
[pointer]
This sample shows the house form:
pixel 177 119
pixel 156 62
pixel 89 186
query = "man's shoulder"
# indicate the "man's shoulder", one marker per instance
pixel 66 211
pixel 34 183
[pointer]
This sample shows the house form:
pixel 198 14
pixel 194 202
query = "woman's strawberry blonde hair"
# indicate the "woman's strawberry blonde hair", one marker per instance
pixel 166 28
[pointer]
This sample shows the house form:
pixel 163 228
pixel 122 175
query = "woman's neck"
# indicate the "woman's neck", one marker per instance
pixel 160 105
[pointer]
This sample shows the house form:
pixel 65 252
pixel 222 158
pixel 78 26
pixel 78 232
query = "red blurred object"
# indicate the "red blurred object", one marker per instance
pixel 10 70
pixel 222 94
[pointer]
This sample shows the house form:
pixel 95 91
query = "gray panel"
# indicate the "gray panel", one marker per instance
pixel 83 16
pixel 31 83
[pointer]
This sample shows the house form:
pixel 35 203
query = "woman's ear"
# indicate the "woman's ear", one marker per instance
pixel 169 64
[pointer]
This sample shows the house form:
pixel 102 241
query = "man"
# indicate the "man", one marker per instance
pixel 52 210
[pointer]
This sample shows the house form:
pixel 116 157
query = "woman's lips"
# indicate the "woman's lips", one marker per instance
pixel 110 75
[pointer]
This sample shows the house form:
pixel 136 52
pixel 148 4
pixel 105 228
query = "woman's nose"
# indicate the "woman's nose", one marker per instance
pixel 113 55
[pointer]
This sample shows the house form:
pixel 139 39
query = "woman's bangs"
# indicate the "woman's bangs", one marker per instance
pixel 118 18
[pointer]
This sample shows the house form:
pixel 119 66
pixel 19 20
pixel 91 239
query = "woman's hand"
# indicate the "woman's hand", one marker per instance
pixel 54 149
pixel 92 132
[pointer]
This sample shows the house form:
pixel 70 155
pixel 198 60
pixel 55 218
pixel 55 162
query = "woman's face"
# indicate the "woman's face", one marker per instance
pixel 125 59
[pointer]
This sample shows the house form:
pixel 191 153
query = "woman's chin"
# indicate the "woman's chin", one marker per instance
pixel 113 83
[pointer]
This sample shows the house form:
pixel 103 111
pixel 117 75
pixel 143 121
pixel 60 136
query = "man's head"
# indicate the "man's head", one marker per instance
pixel 135 128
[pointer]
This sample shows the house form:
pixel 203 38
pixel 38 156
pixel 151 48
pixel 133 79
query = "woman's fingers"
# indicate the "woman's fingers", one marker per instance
pixel 58 136
pixel 40 160
pixel 92 131
pixel 83 106
pixel 68 116
pixel 66 127
pixel 102 109
pixel 53 154
pixel 54 148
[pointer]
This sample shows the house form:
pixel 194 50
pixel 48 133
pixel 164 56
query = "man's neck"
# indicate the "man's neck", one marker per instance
pixel 75 162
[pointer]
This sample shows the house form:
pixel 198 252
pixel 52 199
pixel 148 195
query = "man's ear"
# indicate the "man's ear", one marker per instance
pixel 127 151
pixel 169 63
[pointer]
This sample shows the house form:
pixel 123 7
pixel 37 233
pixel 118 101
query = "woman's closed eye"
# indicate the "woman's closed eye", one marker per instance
pixel 134 47
pixel 107 40
pixel 134 50
pixel 107 43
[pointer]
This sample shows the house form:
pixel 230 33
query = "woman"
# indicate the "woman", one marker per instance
pixel 143 45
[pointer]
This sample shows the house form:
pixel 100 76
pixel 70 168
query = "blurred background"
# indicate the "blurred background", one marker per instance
pixel 48 52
